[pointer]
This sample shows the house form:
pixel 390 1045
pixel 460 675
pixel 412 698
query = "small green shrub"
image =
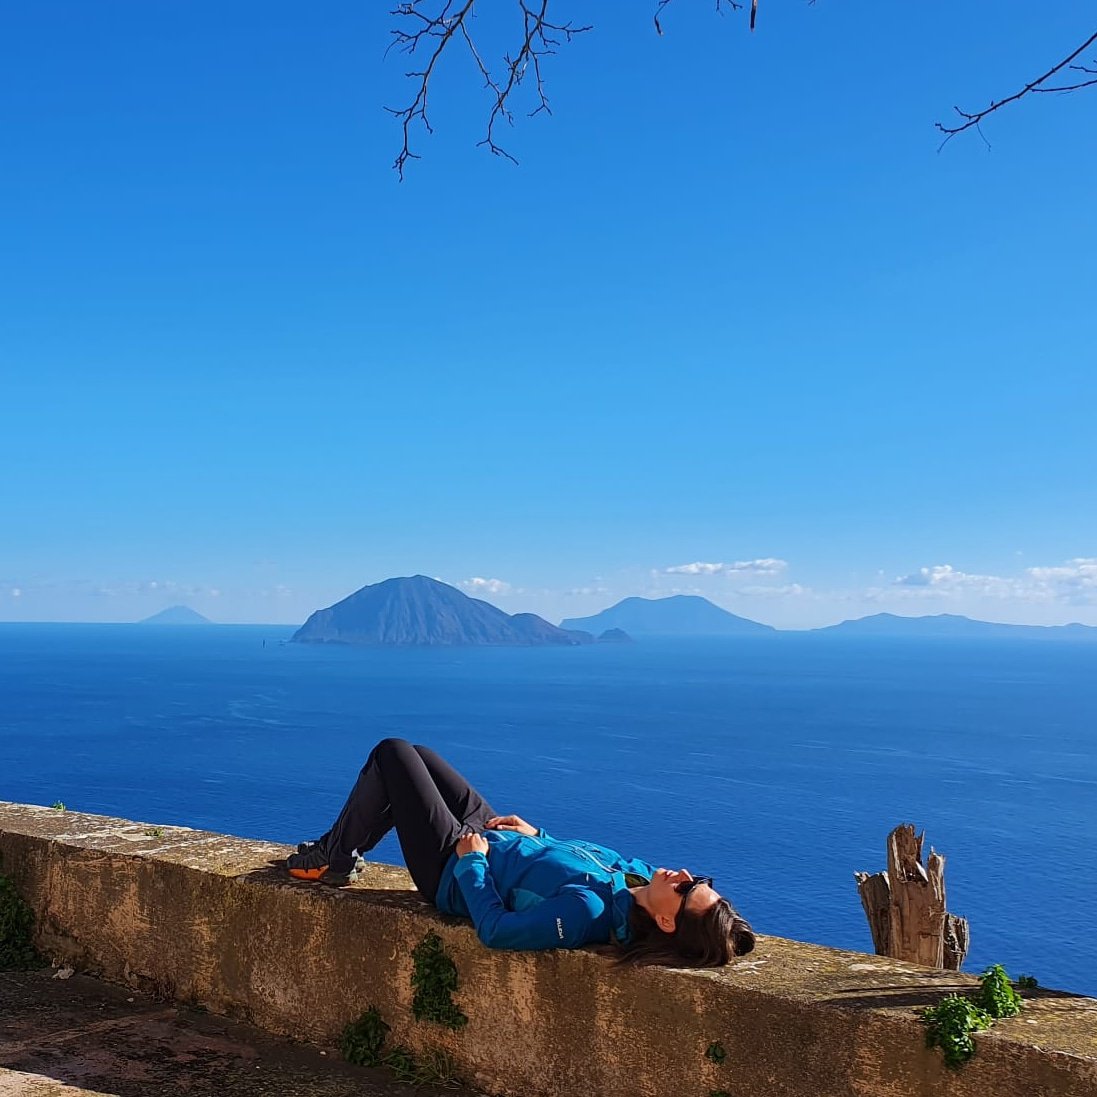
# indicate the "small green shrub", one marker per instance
pixel 17 952
pixel 363 1041
pixel 716 1053
pixel 949 1026
pixel 433 980
pixel 154 832
pixel 57 805
pixel 996 994
pixel 1027 982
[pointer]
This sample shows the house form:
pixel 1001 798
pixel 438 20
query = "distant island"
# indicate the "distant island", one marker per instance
pixel 419 611
pixel 679 615
pixel 951 625
pixel 176 615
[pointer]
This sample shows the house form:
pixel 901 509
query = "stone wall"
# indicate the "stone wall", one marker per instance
pixel 202 918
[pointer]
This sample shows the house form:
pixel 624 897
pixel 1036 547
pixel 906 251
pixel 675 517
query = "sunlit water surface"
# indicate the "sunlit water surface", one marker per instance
pixel 777 764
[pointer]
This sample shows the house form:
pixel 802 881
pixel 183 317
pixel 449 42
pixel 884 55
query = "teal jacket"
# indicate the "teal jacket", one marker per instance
pixel 537 892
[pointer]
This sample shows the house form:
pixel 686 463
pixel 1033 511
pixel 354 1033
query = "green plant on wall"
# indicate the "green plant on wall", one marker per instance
pixel 363 1043
pixel 433 981
pixel 717 1053
pixel 996 994
pixel 17 952
pixel 952 1023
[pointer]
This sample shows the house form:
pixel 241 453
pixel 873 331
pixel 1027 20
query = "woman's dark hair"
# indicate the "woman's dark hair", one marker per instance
pixel 708 939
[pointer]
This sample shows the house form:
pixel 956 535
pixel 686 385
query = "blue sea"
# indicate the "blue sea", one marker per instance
pixel 776 764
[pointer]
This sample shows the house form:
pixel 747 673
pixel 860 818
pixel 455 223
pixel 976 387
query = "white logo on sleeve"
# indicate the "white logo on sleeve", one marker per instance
pixel 560 928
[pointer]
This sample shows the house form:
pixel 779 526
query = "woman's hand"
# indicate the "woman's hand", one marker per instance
pixel 511 822
pixel 472 843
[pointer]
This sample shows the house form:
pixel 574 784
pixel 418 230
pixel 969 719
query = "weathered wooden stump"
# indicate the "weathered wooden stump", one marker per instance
pixel 905 906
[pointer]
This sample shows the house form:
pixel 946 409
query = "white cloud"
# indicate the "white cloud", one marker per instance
pixel 141 587
pixel 1073 582
pixel 944 579
pixel 479 585
pixel 279 590
pixel 766 565
pixel 943 575
pixel 787 590
pixel 579 592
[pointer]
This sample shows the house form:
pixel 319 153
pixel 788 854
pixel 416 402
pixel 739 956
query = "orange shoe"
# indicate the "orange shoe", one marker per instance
pixel 313 866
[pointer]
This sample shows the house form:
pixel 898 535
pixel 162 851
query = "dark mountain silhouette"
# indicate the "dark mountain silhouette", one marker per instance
pixel 176 615
pixel 614 636
pixel 945 625
pixel 418 611
pixel 679 615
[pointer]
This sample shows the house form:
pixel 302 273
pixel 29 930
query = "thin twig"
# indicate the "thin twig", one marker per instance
pixel 1068 87
pixel 973 120
pixel 735 5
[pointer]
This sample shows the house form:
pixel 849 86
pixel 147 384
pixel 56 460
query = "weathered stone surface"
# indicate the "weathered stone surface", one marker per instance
pixel 201 918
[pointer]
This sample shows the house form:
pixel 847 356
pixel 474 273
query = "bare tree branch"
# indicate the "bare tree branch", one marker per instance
pixel 429 27
pixel 440 29
pixel 435 24
pixel 450 21
pixel 537 44
pixel 973 120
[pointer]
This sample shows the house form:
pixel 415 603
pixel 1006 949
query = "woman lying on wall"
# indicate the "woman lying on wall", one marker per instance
pixel 522 888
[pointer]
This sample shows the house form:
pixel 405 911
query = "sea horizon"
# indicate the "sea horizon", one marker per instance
pixel 1090 633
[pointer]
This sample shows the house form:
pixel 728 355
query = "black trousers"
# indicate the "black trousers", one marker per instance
pixel 420 794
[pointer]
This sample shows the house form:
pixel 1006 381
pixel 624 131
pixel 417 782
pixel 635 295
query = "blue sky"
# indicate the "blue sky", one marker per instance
pixel 732 316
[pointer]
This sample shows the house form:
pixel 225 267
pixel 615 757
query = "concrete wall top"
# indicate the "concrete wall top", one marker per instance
pixel 203 918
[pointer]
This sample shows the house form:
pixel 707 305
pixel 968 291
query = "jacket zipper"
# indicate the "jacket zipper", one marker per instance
pixel 587 853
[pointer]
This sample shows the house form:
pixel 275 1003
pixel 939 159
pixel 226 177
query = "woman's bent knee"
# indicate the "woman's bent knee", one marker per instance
pixel 391 746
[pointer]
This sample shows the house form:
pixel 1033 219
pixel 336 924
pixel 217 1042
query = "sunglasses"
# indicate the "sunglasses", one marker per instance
pixel 685 887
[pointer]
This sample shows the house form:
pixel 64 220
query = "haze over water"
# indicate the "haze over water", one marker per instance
pixel 777 764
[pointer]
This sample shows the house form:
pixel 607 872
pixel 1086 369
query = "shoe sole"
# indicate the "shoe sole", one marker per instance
pixel 323 876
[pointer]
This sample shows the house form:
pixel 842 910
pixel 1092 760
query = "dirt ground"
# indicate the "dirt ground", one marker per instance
pixel 79 1037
